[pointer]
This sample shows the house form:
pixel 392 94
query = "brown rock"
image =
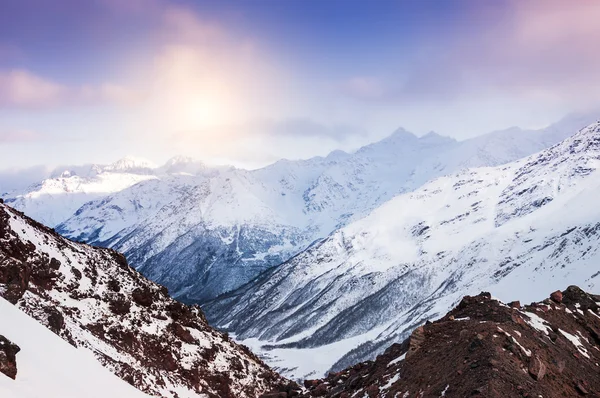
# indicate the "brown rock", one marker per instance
pixel 56 320
pixel 142 297
pixel 183 333
pixel 557 296
pixel 119 305
pixel 320 391
pixel 537 368
pixel 8 357
pixel 416 340
pixel 581 387
pixel 515 304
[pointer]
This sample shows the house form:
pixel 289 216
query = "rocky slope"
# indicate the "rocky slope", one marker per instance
pixel 484 348
pixel 94 300
pixel 523 227
pixel 202 232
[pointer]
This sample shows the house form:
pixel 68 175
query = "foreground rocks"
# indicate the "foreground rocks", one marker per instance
pixel 8 357
pixel 484 348
pixel 93 299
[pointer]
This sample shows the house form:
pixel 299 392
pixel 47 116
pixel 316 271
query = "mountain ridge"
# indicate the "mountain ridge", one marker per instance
pixel 227 225
pixel 95 301
pixel 523 225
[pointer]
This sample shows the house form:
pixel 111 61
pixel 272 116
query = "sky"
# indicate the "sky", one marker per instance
pixel 247 82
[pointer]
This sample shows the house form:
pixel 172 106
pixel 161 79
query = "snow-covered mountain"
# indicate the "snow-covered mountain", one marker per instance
pixel 56 198
pixel 526 227
pixel 96 302
pixel 203 231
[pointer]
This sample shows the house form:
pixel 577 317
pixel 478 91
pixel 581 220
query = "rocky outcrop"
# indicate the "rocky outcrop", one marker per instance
pixel 93 299
pixel 8 357
pixel 484 348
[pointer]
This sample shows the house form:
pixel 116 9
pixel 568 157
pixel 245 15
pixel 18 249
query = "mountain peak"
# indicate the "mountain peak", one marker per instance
pixel 402 135
pixel 180 159
pixel 183 164
pixel 129 164
pixel 434 138
pixel 338 154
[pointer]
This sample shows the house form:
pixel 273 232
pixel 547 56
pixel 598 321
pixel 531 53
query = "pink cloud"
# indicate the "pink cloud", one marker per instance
pixel 543 50
pixel 361 87
pixel 22 89
pixel 17 136
pixel 540 50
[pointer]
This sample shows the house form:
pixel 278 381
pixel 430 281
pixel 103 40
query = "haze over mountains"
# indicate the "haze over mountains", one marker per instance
pixel 319 263
pixel 202 231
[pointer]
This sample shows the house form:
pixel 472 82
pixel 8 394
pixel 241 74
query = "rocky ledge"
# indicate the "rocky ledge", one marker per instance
pixel 484 348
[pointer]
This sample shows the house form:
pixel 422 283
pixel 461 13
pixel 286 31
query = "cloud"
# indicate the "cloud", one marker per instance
pixel 20 88
pixel 363 87
pixel 18 136
pixel 16 179
pixel 535 50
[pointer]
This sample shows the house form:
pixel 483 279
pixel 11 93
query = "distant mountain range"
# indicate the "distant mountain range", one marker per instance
pixel 203 231
pixel 528 226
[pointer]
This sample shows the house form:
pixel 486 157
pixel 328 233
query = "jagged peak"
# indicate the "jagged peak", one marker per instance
pixel 402 134
pixel 434 138
pixel 130 163
pixel 183 164
pixel 180 159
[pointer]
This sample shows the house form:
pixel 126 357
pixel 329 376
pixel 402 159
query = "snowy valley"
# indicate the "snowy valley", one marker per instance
pixel 529 227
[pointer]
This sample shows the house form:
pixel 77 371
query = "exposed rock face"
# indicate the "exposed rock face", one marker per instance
pixel 93 299
pixel 8 357
pixel 484 348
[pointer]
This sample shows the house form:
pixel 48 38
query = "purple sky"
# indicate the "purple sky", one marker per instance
pixel 248 82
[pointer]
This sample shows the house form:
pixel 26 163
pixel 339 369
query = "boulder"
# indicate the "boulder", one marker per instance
pixel 8 357
pixel 557 296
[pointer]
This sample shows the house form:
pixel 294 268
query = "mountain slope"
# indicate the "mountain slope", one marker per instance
pixel 92 298
pixel 526 226
pixel 205 233
pixel 56 198
pixel 49 367
pixel 484 348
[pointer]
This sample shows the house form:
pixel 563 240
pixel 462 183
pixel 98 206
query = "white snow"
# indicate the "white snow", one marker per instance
pixel 396 360
pixel 536 322
pixel 576 342
pixel 47 366
pixel 390 382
